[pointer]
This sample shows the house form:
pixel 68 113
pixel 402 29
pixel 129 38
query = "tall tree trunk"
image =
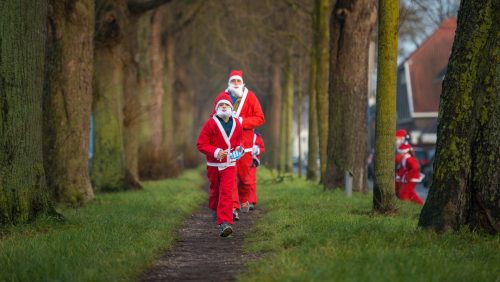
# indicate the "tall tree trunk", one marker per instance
pixel 465 187
pixel 274 115
pixel 312 156
pixel 383 190
pixel 157 61
pixel 184 118
pixel 68 100
pixel 132 110
pixel 167 145
pixel 288 117
pixel 23 190
pixel 299 118
pixel 351 24
pixel 145 80
pixel 108 165
pixel 322 9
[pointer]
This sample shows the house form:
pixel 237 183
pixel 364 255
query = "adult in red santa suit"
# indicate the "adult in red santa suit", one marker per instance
pixel 248 111
pixel 408 175
pixel 258 150
pixel 220 140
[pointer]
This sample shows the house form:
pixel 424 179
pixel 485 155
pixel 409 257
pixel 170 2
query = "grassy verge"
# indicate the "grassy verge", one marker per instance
pixel 310 235
pixel 112 239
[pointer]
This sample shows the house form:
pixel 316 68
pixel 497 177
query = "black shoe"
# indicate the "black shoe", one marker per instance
pixel 251 207
pixel 235 215
pixel 225 229
pixel 245 207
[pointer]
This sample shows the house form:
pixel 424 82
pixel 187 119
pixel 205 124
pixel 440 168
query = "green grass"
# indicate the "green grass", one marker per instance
pixel 310 235
pixel 113 238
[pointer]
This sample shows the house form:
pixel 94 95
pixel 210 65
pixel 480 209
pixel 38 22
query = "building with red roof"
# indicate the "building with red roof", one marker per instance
pixel 419 84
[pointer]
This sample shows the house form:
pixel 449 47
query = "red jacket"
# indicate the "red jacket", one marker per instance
pixel 250 112
pixel 259 142
pixel 213 138
pixel 407 169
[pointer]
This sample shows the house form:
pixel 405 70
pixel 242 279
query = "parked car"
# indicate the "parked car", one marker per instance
pixel 425 159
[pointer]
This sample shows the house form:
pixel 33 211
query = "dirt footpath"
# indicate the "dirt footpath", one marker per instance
pixel 201 255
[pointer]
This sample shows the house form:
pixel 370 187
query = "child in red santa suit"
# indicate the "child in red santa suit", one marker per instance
pixel 220 140
pixel 407 175
pixel 257 150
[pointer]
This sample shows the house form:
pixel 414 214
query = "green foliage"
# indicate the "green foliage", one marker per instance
pixel 112 239
pixel 310 235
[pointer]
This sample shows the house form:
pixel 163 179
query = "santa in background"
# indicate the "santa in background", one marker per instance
pixel 407 175
pixel 247 109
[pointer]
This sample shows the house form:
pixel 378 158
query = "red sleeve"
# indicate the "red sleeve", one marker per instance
pixel 260 142
pixel 257 115
pixel 413 168
pixel 203 143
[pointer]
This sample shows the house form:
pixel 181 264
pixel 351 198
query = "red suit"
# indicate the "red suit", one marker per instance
pixel 221 173
pixel 249 113
pixel 258 142
pixel 407 177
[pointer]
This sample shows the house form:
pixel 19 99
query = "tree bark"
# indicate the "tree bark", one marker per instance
pixel 322 9
pixel 132 110
pixel 68 100
pixel 168 143
pixel 312 156
pixel 23 189
pixel 157 60
pixel 108 165
pixel 350 28
pixel 465 186
pixel 383 191
pixel 184 119
pixel 289 90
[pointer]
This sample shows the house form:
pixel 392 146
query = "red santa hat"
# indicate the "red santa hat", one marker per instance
pixel 401 133
pixel 236 74
pixel 223 99
pixel 404 148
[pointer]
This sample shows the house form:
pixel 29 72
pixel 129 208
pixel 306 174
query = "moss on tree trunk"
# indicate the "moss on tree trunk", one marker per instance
pixel 108 165
pixel 465 189
pixel 383 191
pixel 23 190
pixel 351 24
pixel 68 100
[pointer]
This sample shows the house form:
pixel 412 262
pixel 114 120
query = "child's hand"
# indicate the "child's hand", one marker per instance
pixel 222 154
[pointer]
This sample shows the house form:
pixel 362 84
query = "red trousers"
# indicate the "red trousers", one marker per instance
pixel 252 198
pixel 242 191
pixel 407 193
pixel 222 183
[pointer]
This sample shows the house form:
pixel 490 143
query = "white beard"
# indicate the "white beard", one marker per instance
pixel 398 143
pixel 224 114
pixel 238 92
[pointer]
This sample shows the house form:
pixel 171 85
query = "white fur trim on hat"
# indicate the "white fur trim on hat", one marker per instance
pixel 225 102
pixel 235 77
